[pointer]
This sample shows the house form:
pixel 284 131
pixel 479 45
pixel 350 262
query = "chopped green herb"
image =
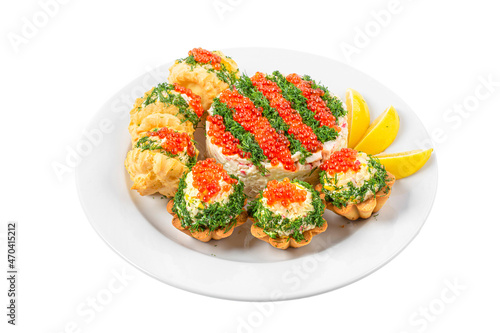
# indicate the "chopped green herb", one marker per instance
pixel 224 74
pixel 299 102
pixel 214 215
pixel 166 94
pixel 246 88
pixel 272 223
pixel 248 143
pixel 333 102
pixel 148 143
pixel 342 196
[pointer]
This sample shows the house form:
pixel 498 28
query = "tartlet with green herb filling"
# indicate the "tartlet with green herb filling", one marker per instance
pixel 205 73
pixel 158 160
pixel 167 105
pixel 209 202
pixel 274 126
pixel 287 214
pixel 353 184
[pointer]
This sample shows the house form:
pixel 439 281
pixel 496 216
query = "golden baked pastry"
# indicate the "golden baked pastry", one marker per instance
pixel 206 235
pixel 171 101
pixel 284 243
pixel 287 214
pixel 158 160
pixel 353 184
pixel 158 120
pixel 205 73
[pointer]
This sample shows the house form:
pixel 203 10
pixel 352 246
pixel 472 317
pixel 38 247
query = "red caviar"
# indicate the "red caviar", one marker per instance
pixel 314 101
pixel 205 57
pixel 292 117
pixel 194 103
pixel 224 139
pixel 274 144
pixel 207 175
pixel 283 192
pixel 341 161
pixel 175 142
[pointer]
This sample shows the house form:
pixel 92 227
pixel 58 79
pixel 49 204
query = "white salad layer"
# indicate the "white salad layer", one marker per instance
pixel 251 176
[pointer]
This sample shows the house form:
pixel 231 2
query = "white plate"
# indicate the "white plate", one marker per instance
pixel 242 267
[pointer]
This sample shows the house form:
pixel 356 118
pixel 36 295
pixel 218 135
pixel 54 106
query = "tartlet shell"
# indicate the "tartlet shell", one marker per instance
pixel 284 243
pixel 206 235
pixel 363 209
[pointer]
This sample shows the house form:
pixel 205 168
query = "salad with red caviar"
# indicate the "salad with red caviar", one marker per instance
pixel 274 126
pixel 287 213
pixel 209 202
pixel 354 184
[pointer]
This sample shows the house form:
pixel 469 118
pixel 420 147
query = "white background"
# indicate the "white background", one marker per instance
pixel 434 54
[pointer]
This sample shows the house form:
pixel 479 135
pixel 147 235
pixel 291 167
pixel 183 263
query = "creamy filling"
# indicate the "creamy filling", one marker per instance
pixel 357 178
pixel 294 211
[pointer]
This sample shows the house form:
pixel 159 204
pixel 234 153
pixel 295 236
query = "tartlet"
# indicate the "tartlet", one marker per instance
pixel 205 73
pixel 158 159
pixel 353 184
pixel 169 105
pixel 271 127
pixel 287 214
pixel 209 202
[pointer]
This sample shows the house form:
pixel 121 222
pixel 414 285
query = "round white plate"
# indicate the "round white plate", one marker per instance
pixel 242 267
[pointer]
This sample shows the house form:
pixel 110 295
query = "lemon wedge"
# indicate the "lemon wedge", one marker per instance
pixel 406 163
pixel 381 133
pixel 358 116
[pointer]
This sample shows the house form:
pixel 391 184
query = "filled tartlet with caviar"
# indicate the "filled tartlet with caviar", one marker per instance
pixel 354 184
pixel 205 73
pixel 274 126
pixel 287 214
pixel 166 105
pixel 209 202
pixel 158 160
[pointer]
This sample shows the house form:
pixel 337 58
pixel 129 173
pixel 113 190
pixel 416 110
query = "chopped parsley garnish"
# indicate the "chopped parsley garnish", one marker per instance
pixel 248 143
pixel 166 94
pixel 272 223
pixel 299 102
pixel 148 143
pixel 224 73
pixel 246 88
pixel 342 196
pixel 214 215
pixel 333 103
